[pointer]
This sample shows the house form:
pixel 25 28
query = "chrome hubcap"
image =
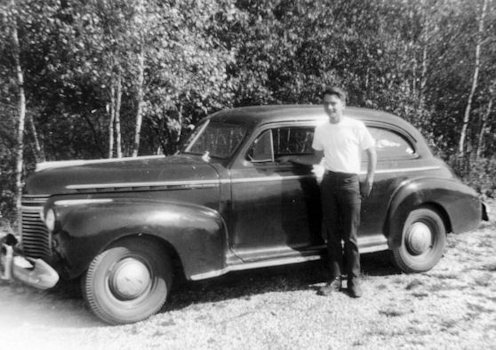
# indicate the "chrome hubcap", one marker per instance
pixel 419 238
pixel 130 279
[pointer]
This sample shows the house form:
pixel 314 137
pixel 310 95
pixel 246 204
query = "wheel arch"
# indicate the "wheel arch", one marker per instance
pixel 167 248
pixel 410 197
pixel 441 211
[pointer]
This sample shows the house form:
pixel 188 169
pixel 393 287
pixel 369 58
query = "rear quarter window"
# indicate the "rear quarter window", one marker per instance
pixel 391 145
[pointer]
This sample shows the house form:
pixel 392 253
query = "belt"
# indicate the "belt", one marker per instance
pixel 338 174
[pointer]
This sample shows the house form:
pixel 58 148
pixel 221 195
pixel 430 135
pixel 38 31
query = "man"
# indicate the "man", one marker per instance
pixel 340 141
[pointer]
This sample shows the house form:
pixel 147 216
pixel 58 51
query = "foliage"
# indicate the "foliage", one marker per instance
pixel 480 175
pixel 176 61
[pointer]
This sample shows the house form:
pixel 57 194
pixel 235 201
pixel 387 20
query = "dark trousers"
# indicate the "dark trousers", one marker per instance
pixel 341 204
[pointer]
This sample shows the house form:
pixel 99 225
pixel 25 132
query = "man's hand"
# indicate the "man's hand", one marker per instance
pixel 366 187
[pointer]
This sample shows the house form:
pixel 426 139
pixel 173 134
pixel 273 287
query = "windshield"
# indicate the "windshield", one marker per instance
pixel 220 140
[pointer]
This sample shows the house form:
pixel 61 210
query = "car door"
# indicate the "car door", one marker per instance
pixel 275 206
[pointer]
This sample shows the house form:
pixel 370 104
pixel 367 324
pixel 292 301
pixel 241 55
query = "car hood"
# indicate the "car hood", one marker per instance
pixel 101 175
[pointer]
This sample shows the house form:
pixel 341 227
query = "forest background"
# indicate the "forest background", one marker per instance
pixel 117 78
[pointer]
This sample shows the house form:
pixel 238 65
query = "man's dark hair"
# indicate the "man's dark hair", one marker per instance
pixel 334 90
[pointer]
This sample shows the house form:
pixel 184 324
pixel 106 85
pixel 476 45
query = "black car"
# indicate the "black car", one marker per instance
pixel 224 203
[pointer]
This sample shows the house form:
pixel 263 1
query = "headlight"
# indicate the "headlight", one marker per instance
pixel 50 219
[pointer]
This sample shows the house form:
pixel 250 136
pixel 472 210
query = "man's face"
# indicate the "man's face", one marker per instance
pixel 334 107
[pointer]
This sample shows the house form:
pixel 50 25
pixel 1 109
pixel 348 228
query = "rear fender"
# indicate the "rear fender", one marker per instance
pixel 457 204
pixel 87 227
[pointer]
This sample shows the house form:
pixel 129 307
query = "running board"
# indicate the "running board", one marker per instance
pixel 369 244
pixel 256 265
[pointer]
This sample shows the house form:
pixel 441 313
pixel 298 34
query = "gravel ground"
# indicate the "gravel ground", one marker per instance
pixel 452 306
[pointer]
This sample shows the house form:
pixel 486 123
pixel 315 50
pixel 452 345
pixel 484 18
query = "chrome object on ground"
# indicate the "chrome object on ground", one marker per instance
pixel 33 272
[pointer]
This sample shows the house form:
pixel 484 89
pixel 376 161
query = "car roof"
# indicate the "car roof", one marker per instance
pixel 255 116
pixel 280 113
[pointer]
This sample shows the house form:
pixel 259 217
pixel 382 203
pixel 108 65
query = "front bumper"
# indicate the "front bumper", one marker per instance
pixel 33 272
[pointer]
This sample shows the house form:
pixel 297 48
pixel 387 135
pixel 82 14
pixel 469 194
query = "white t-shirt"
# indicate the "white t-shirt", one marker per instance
pixel 342 144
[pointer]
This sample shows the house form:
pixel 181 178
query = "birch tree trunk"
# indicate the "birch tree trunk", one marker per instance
pixel 117 114
pixel 139 111
pixel 484 122
pixel 423 77
pixel 112 117
pixel 466 118
pixel 21 109
pixel 38 152
pixel 141 78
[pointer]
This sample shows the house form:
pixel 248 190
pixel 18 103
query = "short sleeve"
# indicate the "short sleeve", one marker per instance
pixel 366 139
pixel 317 140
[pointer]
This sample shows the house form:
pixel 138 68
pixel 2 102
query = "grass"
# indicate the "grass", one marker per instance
pixel 478 309
pixel 484 280
pixel 392 312
pixel 445 276
pixel 489 267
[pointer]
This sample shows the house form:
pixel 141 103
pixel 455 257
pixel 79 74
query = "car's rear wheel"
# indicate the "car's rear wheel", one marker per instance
pixel 128 282
pixel 423 241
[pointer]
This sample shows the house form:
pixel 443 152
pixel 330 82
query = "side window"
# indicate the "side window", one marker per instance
pixel 293 141
pixel 262 148
pixel 391 145
pixel 282 141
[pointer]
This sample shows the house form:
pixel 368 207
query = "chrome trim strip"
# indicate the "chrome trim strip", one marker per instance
pixel 298 177
pixel 371 244
pixel 211 274
pixel 193 183
pixel 69 202
pixel 374 239
pixel 399 170
pixel 32 200
pixel 282 261
pixel 76 162
pixel 269 178
pixel 33 209
pixel 214 183
pixel 375 248
pixel 36 196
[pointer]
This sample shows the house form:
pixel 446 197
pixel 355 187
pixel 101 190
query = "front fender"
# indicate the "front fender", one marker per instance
pixel 457 203
pixel 86 227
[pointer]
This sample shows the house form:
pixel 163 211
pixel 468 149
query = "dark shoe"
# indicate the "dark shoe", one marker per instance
pixel 331 287
pixel 354 288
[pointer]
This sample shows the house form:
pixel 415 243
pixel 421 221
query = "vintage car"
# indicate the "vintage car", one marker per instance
pixel 224 203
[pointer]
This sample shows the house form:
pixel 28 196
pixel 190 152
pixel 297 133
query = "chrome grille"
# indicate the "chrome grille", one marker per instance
pixel 36 241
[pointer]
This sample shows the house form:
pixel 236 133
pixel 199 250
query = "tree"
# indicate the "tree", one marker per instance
pixel 141 20
pixel 184 66
pixel 12 16
pixel 475 78
pixel 485 119
pixel 120 78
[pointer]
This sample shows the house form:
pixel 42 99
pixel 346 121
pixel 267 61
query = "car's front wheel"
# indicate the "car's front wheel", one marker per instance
pixel 423 240
pixel 128 282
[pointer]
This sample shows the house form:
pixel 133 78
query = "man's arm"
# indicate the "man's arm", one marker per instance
pixel 371 164
pixel 312 159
